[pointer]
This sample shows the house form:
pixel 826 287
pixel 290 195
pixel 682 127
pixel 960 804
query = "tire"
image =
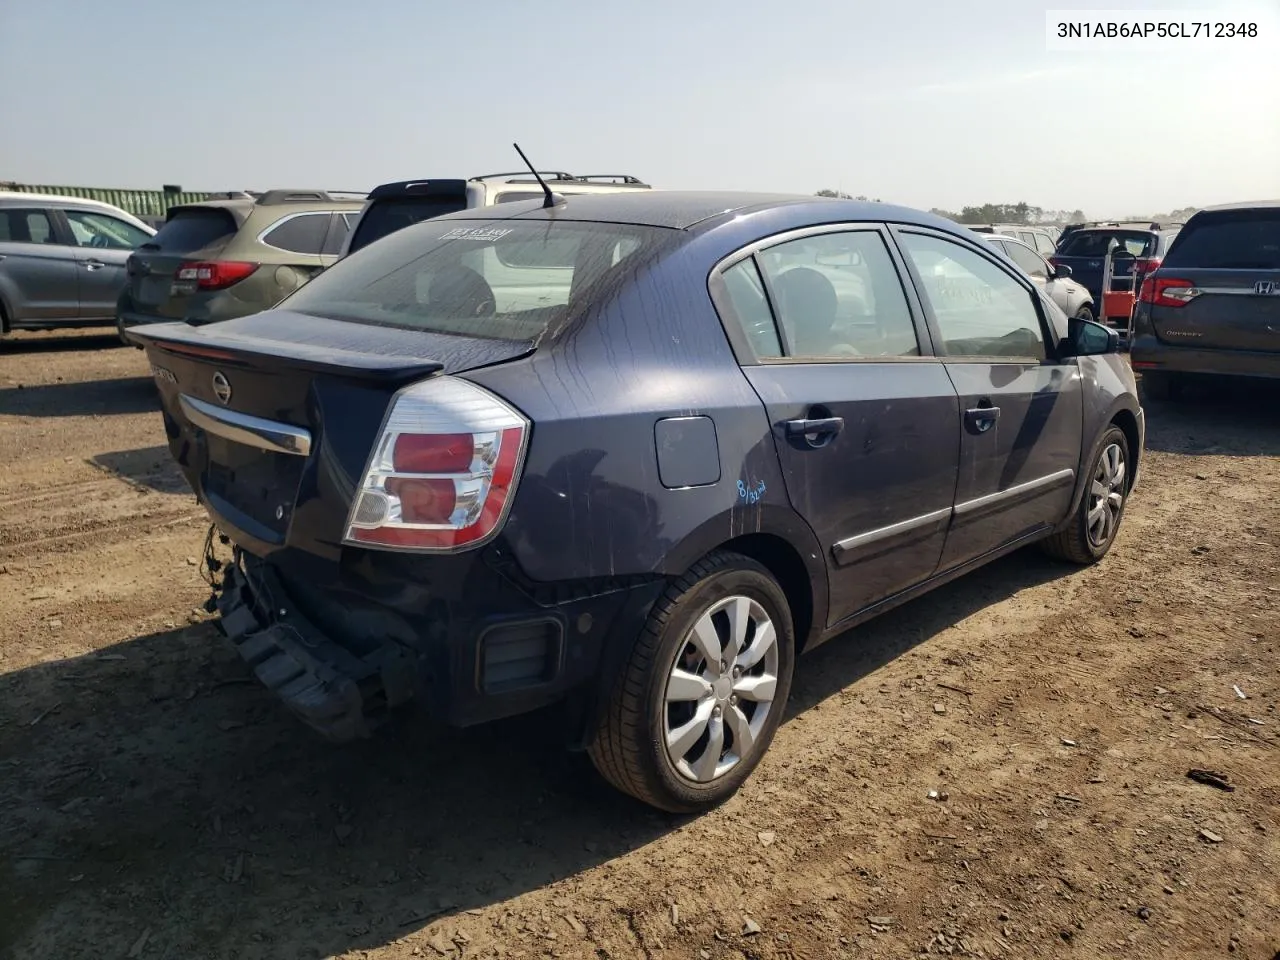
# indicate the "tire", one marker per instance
pixel 1080 541
pixel 1084 313
pixel 630 746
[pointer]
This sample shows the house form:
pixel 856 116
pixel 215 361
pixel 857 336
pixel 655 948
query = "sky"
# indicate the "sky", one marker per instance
pixel 928 103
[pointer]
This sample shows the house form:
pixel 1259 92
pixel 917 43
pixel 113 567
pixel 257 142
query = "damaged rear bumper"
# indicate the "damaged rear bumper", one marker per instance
pixel 340 695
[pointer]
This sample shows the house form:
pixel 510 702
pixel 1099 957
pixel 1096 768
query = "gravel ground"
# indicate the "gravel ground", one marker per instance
pixel 155 804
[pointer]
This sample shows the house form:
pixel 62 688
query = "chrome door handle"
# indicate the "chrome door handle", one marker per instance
pixel 94 264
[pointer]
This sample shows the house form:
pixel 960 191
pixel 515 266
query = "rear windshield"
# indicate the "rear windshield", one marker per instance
pixel 502 279
pixel 1244 240
pixel 1096 243
pixel 388 216
pixel 187 231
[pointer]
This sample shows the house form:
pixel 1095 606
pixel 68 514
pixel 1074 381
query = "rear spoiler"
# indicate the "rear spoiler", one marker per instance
pixel 215 342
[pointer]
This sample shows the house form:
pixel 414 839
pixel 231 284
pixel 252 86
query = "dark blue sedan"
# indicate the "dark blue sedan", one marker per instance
pixel 632 454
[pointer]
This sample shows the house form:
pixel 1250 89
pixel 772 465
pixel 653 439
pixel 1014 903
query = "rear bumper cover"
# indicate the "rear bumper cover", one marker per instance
pixel 1148 354
pixel 490 649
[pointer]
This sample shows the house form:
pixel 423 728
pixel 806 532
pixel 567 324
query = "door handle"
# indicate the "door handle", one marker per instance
pixel 816 433
pixel 982 419
pixel 94 264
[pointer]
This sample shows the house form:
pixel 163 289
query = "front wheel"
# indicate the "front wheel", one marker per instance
pixel 702 694
pixel 1084 313
pixel 1093 528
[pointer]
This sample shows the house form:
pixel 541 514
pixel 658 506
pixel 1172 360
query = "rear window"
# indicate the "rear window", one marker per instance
pixel 1096 243
pixel 189 230
pixel 385 217
pixel 499 279
pixel 1244 240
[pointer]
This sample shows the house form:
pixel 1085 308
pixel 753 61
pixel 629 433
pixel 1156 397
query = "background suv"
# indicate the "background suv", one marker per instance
pixel 392 206
pixel 229 257
pixel 1136 250
pixel 1039 239
pixel 62 260
pixel 1213 306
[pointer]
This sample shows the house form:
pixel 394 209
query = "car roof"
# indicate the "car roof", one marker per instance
pixel 686 209
pixel 1243 205
pixel 6 196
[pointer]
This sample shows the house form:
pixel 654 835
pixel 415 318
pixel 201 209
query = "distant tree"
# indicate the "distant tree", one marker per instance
pixel 837 194
pixel 948 214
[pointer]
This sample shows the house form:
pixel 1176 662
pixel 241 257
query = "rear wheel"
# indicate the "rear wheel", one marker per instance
pixel 1093 528
pixel 702 694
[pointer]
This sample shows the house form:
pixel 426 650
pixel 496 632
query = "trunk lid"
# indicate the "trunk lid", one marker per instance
pixel 190 234
pixel 1085 252
pixel 1228 261
pixel 272 417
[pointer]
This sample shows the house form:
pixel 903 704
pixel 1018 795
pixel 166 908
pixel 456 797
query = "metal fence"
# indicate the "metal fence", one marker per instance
pixel 141 203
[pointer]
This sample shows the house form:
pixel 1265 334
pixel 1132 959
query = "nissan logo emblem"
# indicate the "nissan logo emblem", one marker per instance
pixel 221 388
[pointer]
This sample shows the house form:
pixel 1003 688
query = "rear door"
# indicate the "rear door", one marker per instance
pixel 1220 283
pixel 103 246
pixel 191 233
pixel 865 420
pixel 37 271
pixel 1021 408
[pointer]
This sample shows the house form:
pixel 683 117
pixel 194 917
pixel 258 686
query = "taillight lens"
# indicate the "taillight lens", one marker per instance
pixel 1144 265
pixel 1167 292
pixel 215 274
pixel 443 472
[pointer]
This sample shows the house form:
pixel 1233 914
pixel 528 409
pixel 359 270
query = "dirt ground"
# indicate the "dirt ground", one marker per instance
pixel 155 804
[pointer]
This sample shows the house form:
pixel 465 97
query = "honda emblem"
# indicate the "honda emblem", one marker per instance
pixel 221 388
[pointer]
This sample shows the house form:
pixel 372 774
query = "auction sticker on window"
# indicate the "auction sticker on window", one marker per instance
pixel 477 233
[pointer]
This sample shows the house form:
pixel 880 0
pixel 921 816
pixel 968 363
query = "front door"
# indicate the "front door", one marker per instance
pixel 38 272
pixel 865 421
pixel 1021 407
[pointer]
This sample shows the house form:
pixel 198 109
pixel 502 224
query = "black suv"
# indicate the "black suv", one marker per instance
pixel 1213 307
pixel 633 452
pixel 1136 249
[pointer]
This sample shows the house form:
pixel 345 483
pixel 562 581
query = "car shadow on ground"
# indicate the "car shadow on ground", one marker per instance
pixel 1221 416
pixel 81 399
pixel 150 467
pixel 57 343
pixel 152 785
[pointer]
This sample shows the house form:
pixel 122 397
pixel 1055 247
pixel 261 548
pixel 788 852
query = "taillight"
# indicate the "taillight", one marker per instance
pixel 1145 265
pixel 1167 292
pixel 443 472
pixel 215 274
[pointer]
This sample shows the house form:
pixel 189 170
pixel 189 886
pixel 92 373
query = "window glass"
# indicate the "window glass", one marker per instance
pixel 193 229
pixel 512 196
pixel 1028 261
pixel 507 279
pixel 302 233
pixel 339 227
pixel 102 230
pixel 981 310
pixel 746 292
pixel 385 217
pixel 25 226
pixel 839 295
pixel 1096 243
pixel 1238 240
pixel 1044 246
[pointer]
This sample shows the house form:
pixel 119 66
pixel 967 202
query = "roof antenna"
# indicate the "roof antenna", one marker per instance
pixel 552 199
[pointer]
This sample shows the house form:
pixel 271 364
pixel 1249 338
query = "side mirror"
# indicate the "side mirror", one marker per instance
pixel 1087 338
pixel 1060 271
